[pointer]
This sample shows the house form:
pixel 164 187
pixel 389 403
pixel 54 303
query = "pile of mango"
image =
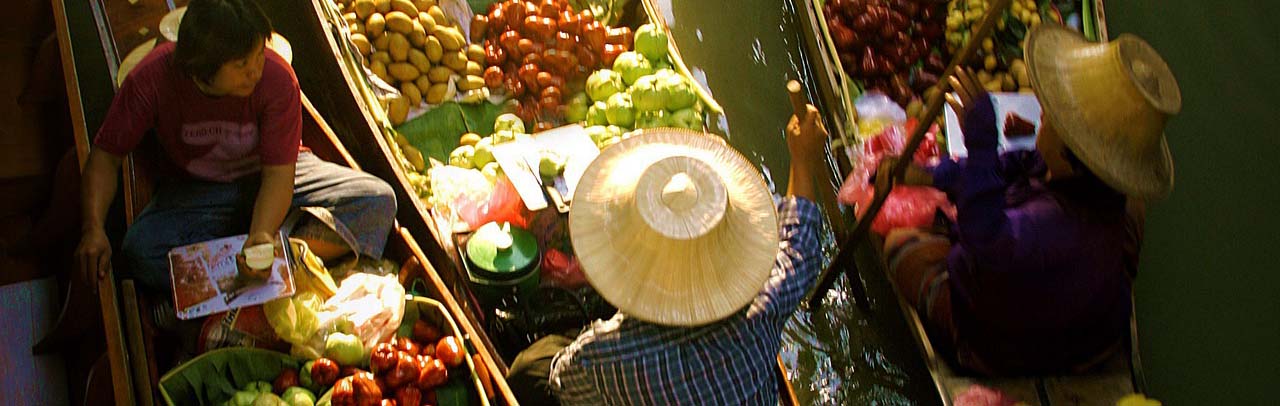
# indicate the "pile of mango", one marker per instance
pixel 416 47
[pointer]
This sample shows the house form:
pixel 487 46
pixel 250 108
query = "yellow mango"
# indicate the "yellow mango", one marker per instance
pixel 437 93
pixel 470 83
pixel 439 74
pixel 398 47
pixel 404 6
pixel 361 43
pixel 411 92
pixel 438 14
pixel 399 22
pixel 419 60
pixel 363 8
pixel 475 53
pixel 427 22
pixel 433 49
pixel 375 25
pixel 456 60
pixel 474 68
pixel 418 37
pixel 397 109
pixel 403 72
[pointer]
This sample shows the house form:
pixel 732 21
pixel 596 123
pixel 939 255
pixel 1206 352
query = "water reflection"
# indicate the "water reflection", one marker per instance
pixel 744 51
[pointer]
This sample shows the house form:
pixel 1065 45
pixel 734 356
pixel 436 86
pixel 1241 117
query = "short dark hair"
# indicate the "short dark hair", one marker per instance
pixel 214 32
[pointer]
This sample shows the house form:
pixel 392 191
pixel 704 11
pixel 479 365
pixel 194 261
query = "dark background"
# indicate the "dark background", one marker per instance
pixel 1208 307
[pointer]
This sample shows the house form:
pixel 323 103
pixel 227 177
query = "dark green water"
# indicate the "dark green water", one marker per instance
pixel 744 51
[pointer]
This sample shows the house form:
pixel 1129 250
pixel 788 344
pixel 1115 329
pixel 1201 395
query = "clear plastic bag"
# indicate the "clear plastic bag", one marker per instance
pixel 369 307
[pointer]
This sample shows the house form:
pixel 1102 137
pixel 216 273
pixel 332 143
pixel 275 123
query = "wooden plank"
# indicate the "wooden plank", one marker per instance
pixel 786 392
pixel 72 83
pixel 1097 389
pixel 141 359
pixel 117 351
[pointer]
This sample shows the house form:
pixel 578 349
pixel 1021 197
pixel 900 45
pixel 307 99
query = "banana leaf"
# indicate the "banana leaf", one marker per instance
pixel 212 378
pixel 436 132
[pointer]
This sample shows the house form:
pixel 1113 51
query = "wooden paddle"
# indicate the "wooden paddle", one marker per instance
pixel 844 257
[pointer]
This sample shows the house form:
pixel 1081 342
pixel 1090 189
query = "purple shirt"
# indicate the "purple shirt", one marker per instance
pixel 1039 270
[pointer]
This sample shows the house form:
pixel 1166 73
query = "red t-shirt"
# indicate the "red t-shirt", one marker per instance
pixel 212 138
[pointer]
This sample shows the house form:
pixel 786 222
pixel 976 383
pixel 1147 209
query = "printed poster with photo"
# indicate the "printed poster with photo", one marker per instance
pixel 212 277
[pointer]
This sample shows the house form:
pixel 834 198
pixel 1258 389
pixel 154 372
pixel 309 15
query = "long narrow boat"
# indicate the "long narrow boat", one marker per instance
pixel 131 338
pixel 1118 376
pixel 342 93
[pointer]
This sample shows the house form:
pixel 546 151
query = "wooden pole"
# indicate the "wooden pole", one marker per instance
pixel 797 98
pixel 844 256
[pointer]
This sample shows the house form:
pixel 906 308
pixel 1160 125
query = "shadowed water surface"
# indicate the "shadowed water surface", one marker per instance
pixel 744 51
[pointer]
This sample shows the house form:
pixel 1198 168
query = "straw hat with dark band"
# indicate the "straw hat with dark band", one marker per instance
pixel 674 227
pixel 1109 103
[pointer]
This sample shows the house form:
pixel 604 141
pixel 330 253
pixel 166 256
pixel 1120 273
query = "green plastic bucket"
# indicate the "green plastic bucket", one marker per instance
pixel 502 261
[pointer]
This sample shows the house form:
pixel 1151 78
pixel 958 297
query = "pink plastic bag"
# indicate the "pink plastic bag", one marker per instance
pixel 504 204
pixel 906 206
pixel 978 395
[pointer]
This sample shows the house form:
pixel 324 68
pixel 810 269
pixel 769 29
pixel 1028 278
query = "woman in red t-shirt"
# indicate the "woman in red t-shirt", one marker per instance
pixel 226 112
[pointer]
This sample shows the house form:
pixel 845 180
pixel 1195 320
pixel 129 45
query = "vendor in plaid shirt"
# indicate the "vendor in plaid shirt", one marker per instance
pixel 681 234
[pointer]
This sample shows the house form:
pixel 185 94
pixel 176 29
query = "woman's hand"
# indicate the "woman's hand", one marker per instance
pixel 974 111
pixel 259 238
pixel 807 141
pixel 806 137
pixel 966 89
pixel 94 256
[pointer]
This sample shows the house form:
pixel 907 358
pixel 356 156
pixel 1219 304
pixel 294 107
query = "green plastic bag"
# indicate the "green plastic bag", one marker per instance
pixel 295 319
pixel 215 376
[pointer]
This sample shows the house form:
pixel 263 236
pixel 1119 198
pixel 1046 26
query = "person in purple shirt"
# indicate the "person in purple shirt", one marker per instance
pixel 1035 275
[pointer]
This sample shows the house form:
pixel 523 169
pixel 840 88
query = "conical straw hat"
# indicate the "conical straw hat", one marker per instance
pixel 1109 103
pixel 674 227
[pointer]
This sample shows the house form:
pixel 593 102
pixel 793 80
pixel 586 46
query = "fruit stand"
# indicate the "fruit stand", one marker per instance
pixel 138 350
pixel 598 73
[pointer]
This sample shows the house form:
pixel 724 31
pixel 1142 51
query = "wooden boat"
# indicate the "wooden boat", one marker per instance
pixel 333 75
pixel 1118 376
pixel 131 338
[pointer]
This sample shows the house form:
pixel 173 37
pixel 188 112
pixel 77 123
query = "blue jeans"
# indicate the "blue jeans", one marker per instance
pixel 359 208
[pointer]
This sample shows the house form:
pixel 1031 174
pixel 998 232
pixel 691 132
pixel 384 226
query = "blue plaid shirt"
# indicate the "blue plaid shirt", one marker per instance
pixel 624 361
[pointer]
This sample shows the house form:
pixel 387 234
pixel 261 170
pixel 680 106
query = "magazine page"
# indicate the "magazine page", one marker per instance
pixel 212 277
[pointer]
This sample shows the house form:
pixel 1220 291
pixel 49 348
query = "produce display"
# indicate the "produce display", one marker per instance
pixel 900 47
pixel 998 62
pixel 417 48
pixel 475 152
pixel 538 51
pixel 639 91
pixel 424 362
pixel 890 46
pixel 406 370
pixel 285 391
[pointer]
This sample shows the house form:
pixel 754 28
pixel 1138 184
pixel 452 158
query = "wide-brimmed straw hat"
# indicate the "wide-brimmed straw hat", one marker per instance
pixel 674 227
pixel 1109 103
